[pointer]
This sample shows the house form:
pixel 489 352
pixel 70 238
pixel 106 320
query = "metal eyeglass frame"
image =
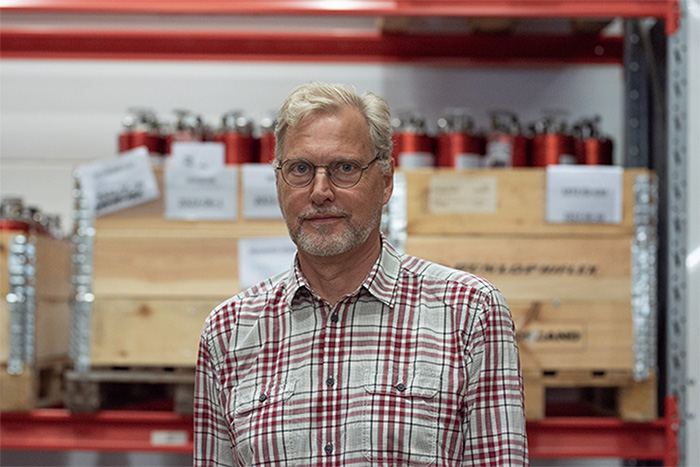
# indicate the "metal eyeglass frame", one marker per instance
pixel 328 173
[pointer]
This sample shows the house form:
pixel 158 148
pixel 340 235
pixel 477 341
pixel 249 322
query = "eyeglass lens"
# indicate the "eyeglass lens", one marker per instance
pixel 343 173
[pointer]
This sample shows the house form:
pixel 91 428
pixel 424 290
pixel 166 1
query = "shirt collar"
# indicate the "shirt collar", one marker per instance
pixel 383 278
pixel 381 281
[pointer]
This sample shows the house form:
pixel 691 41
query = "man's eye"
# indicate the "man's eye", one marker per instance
pixel 299 168
pixel 346 167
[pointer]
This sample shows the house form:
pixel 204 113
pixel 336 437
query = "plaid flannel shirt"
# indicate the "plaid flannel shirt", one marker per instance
pixel 419 366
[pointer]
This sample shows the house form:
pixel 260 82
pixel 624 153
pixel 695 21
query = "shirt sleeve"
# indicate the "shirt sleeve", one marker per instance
pixel 495 430
pixel 212 445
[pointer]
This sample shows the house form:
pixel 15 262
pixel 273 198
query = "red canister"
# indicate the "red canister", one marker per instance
pixel 458 145
pixel 266 141
pixel 413 146
pixel 187 127
pixel 140 127
pixel 236 133
pixel 506 145
pixel 552 144
pixel 590 146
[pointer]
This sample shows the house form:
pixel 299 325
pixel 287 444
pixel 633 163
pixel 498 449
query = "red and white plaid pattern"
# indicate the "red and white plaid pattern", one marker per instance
pixel 418 367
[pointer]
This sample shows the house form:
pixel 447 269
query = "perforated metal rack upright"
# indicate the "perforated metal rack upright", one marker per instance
pixel 549 438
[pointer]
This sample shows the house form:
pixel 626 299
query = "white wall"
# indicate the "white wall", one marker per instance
pixel 56 114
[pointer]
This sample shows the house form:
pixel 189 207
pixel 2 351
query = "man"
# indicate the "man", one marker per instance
pixel 357 355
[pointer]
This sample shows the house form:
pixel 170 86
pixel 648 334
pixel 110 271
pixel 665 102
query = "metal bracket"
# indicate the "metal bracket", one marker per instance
pixel 82 261
pixel 21 300
pixel 676 207
pixel 394 214
pixel 644 260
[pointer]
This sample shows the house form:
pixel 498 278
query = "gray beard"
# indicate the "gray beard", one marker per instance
pixel 323 243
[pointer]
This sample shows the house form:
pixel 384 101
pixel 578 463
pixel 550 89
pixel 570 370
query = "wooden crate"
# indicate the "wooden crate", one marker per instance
pixel 155 280
pixel 138 253
pixel 147 332
pixel 40 381
pixel 634 401
pixel 537 268
pixel 569 286
pixel 444 201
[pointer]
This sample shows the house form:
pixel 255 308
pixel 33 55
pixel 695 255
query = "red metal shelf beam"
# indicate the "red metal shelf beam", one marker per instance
pixel 555 437
pixel 335 47
pixel 666 9
pixel 475 8
pixel 116 430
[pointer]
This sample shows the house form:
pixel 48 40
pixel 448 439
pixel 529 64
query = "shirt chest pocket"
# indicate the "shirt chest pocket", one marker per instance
pixel 256 413
pixel 400 425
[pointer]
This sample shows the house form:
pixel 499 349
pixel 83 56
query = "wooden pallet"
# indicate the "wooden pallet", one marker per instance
pixel 37 386
pixel 614 393
pixel 103 388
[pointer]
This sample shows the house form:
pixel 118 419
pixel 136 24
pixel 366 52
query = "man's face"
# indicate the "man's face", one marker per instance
pixel 322 219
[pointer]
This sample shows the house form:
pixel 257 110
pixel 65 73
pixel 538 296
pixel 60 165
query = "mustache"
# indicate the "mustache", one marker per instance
pixel 324 211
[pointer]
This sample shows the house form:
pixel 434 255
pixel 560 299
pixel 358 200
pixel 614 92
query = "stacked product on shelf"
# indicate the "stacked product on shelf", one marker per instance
pixel 456 142
pixel 581 294
pixel 148 283
pixel 35 271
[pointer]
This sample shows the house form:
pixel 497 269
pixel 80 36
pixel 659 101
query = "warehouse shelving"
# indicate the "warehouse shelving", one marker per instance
pixel 552 437
pixel 134 430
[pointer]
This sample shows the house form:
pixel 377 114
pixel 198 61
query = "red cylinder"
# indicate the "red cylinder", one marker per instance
pixel 187 127
pixel 594 151
pixel 460 151
pixel 239 147
pixel 140 128
pixel 266 141
pixel 552 144
pixel 506 145
pixel 266 148
pixel 552 149
pixel 413 146
pixel 458 145
pixel 590 147
pixel 236 133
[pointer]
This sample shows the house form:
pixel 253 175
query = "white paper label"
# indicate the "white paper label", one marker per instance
pixel 260 258
pixel 584 194
pixel 198 186
pixel 197 157
pixel 260 192
pixel 169 438
pixel 468 161
pixel 463 195
pixel 499 154
pixel 118 182
pixel 416 160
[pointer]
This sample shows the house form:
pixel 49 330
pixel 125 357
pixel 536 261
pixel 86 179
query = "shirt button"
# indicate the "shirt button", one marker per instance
pixel 400 387
pixel 262 398
pixel 328 448
pixel 330 382
pixel 334 318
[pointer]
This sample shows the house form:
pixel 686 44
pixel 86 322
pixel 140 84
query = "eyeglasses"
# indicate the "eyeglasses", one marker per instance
pixel 343 173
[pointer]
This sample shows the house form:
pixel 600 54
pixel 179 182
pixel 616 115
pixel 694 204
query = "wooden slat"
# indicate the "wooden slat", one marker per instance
pixel 519 200
pixel 159 333
pixel 53 268
pixel 165 266
pixel 635 401
pixel 590 335
pixel 537 268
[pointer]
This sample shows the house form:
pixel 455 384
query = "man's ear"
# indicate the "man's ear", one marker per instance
pixel 388 182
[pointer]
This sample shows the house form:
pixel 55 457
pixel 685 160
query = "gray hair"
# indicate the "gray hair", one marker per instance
pixel 317 98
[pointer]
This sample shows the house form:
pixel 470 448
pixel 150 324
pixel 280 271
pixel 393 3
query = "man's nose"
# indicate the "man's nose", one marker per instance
pixel 321 186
